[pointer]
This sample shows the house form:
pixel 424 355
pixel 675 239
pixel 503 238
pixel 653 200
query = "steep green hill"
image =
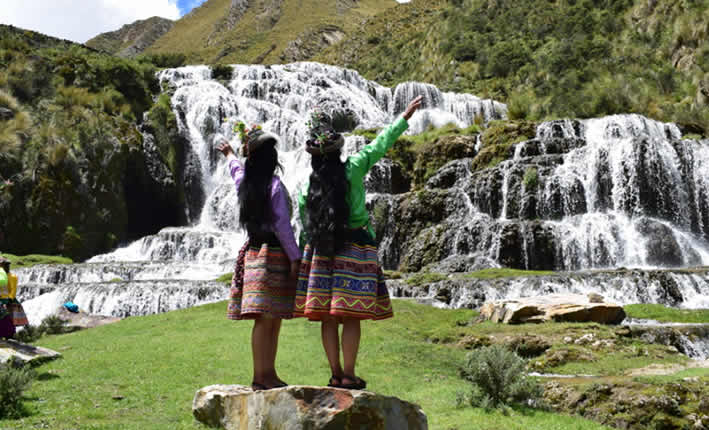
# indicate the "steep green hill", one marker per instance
pixel 132 39
pixel 563 59
pixel 70 151
pixel 264 31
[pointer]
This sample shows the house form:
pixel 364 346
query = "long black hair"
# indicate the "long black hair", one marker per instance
pixel 327 211
pixel 255 190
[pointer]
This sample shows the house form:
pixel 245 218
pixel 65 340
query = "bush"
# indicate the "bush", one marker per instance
pixel 498 378
pixel 222 72
pixel 28 334
pixel 53 324
pixel 13 382
pixel 530 179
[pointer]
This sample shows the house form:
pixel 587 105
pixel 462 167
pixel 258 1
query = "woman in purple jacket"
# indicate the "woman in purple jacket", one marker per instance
pixel 266 293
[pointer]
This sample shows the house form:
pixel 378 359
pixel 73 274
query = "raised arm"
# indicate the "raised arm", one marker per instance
pixel 235 167
pixel 374 151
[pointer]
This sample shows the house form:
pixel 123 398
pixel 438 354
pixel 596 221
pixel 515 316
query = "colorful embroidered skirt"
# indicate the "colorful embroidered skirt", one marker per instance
pixel 14 309
pixel 350 284
pixel 261 287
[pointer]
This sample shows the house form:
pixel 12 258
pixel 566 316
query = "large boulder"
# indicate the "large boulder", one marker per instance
pixel 303 407
pixel 553 307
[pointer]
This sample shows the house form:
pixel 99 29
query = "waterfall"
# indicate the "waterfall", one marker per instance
pixel 617 191
pixel 179 260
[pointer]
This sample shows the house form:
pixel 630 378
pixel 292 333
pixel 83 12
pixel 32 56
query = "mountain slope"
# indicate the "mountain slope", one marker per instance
pixel 264 31
pixel 75 176
pixel 132 39
pixel 566 59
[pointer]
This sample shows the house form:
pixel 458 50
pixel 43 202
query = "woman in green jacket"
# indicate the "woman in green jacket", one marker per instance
pixel 340 281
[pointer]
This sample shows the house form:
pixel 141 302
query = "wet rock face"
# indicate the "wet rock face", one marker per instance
pixel 619 191
pixel 676 288
pixel 236 407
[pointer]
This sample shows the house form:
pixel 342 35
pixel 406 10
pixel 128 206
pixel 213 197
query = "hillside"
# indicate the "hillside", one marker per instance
pixel 132 39
pixel 264 31
pixel 567 59
pixel 70 151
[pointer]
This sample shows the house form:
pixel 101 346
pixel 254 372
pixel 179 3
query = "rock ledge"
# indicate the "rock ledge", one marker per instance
pixel 298 407
pixel 553 307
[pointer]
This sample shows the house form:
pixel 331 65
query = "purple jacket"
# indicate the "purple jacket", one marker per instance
pixel 280 210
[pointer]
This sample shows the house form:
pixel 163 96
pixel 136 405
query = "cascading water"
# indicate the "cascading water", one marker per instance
pixel 619 191
pixel 180 261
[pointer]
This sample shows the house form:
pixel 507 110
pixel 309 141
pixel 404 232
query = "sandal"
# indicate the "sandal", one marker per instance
pixel 335 382
pixel 359 384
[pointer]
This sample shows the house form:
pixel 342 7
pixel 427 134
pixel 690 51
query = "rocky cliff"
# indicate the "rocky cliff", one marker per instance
pixel 132 39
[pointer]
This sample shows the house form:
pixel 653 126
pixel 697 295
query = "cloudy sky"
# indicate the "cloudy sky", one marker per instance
pixel 80 20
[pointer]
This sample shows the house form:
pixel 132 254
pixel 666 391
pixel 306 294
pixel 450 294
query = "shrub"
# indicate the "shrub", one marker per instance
pixel 13 382
pixel 222 72
pixel 530 179
pixel 28 334
pixel 53 324
pixel 498 378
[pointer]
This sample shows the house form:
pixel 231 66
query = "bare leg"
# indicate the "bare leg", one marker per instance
pixel 273 378
pixel 331 343
pixel 260 349
pixel 351 333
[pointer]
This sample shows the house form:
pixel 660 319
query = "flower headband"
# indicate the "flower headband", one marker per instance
pixel 249 137
pixel 323 138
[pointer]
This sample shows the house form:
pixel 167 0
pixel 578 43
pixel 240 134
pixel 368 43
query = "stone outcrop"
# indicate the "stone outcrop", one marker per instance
pixel 554 307
pixel 303 407
pixel 23 353
pixel 132 39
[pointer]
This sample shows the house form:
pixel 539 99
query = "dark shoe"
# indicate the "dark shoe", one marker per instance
pixel 335 382
pixel 280 384
pixel 258 387
pixel 359 384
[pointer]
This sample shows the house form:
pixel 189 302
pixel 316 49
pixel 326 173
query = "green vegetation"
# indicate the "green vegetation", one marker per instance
pixel 566 59
pixel 498 378
pixel 201 348
pixel 69 146
pixel 213 33
pixel 424 278
pixel 226 278
pixel 505 272
pixel 667 314
pixel 677 377
pixel 14 381
pixel 222 72
pixel 530 179
pixel 19 261
pixel 421 156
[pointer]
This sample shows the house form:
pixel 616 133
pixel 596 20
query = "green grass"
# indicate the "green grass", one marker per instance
pixel 700 373
pixel 19 261
pixel 505 273
pixel 667 314
pixel 156 363
pixel 225 278
pixel 425 278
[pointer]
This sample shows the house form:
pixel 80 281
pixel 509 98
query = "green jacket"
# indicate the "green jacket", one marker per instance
pixel 356 167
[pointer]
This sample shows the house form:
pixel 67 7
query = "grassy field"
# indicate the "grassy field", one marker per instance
pixel 19 261
pixel 143 372
pixel 667 314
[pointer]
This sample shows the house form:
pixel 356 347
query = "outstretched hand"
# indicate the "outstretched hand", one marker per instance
pixel 413 107
pixel 225 148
